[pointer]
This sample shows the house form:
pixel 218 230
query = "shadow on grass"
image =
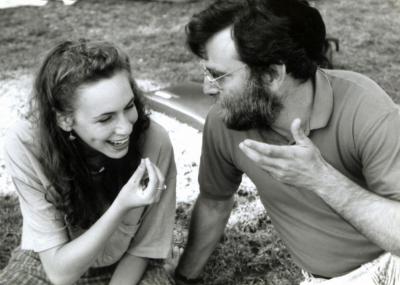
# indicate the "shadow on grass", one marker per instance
pixel 10 225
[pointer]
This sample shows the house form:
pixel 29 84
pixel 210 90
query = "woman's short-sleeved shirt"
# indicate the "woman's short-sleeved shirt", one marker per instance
pixel 144 231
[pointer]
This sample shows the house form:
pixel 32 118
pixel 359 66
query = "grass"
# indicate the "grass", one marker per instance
pixel 153 35
pixel 10 225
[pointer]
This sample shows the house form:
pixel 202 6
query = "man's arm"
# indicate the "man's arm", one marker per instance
pixel 376 217
pixel 209 218
pixel 301 165
pixel 129 271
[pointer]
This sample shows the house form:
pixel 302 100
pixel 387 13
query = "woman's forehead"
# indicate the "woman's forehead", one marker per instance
pixel 106 95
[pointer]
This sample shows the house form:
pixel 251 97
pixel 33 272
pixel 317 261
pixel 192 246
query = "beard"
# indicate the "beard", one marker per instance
pixel 255 107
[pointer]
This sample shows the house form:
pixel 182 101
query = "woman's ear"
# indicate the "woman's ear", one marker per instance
pixel 276 77
pixel 65 122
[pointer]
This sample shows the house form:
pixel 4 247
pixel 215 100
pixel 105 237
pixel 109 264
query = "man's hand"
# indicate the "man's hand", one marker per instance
pixel 301 164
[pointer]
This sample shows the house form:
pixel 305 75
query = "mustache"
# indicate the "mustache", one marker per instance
pixel 255 107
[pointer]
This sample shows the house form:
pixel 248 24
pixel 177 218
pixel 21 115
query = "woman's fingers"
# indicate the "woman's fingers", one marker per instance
pixel 153 178
pixel 161 179
pixel 146 182
pixel 156 182
pixel 138 174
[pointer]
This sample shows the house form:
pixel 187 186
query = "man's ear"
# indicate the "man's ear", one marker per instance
pixel 276 77
pixel 65 122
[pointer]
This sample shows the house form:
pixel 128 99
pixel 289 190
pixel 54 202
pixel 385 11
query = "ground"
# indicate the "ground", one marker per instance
pixel 250 251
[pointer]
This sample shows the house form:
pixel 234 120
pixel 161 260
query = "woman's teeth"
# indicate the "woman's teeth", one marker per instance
pixel 119 142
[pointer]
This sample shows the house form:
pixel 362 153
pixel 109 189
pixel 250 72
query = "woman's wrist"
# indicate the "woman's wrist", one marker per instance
pixel 120 206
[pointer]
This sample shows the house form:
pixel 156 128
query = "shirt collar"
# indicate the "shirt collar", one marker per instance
pixel 323 101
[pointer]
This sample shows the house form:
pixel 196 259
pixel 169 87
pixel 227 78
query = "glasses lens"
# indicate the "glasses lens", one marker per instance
pixel 209 77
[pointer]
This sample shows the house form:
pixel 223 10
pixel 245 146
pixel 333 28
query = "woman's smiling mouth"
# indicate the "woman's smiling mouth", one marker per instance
pixel 119 144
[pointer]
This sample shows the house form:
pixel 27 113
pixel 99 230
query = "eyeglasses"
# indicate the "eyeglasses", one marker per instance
pixel 214 80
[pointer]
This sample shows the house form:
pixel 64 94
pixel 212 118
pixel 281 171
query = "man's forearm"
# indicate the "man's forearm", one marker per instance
pixel 209 218
pixel 376 217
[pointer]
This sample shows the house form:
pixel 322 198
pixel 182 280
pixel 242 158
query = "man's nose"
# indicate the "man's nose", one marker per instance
pixel 209 88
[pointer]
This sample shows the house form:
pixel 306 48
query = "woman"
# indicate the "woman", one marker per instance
pixel 95 177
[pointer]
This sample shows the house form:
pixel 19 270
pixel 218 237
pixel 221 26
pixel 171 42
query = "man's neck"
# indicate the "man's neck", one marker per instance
pixel 297 100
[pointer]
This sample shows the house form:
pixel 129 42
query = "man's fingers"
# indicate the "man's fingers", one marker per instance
pixel 297 132
pixel 249 152
pixel 258 156
pixel 264 149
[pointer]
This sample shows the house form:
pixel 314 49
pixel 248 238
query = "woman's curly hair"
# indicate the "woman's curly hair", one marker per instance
pixel 66 67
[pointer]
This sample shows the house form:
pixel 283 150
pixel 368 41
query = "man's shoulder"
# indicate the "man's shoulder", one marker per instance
pixel 354 80
pixel 215 121
pixel 357 92
pixel 215 114
pixel 215 126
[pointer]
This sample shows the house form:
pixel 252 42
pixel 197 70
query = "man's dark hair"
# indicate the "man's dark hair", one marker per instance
pixel 265 32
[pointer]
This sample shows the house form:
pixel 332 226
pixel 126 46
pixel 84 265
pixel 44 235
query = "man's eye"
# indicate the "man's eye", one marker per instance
pixel 214 73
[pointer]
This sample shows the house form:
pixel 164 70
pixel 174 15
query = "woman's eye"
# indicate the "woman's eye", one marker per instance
pixel 130 106
pixel 104 120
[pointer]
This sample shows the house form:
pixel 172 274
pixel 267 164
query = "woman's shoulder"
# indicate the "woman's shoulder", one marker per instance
pixel 156 133
pixel 155 140
pixel 21 134
pixel 21 152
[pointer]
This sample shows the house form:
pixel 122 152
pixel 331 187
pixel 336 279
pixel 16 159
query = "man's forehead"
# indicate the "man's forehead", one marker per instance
pixel 221 49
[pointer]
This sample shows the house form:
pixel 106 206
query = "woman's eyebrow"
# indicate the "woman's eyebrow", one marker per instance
pixel 110 113
pixel 130 102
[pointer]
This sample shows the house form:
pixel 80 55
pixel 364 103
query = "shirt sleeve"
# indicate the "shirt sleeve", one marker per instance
pixel 218 177
pixel 153 238
pixel 43 226
pixel 378 146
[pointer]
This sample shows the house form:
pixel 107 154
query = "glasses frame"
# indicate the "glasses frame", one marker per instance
pixel 214 81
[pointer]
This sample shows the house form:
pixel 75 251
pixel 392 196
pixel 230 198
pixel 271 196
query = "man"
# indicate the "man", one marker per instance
pixel 321 146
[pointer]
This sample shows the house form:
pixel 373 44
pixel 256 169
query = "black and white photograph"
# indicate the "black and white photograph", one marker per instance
pixel 215 142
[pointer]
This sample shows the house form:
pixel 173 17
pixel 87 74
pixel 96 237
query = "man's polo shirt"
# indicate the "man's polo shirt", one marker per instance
pixel 356 127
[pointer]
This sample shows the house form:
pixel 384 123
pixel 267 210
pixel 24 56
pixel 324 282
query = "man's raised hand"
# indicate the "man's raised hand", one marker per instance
pixel 300 165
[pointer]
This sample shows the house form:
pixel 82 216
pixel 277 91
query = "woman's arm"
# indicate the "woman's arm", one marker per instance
pixel 65 264
pixel 129 270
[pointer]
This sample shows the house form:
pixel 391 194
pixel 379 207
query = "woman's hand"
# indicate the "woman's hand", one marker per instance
pixel 134 194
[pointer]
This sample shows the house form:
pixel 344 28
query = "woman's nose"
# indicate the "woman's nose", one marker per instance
pixel 124 126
